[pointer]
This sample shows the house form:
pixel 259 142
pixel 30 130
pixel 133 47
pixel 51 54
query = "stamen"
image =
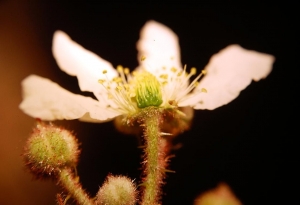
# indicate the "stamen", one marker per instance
pixel 164 76
pixel 203 90
pixel 126 71
pixel 101 81
pixel 193 71
pixel 120 69
pixel 173 69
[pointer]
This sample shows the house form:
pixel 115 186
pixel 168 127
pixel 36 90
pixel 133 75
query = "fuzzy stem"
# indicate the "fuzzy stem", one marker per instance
pixel 71 184
pixel 154 162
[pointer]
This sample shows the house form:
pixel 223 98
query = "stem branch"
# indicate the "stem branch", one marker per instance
pixel 71 184
pixel 154 156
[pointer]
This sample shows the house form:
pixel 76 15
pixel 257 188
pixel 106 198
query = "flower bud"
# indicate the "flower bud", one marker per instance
pixel 221 195
pixel 117 190
pixel 49 149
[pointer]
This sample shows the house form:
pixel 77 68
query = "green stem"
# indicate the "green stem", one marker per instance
pixel 71 184
pixel 155 157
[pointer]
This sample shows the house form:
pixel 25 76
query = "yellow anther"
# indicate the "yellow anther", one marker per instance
pixel 117 80
pixel 179 73
pixel 193 71
pixel 165 83
pixel 173 69
pixel 110 96
pixel 164 76
pixel 196 84
pixel 101 81
pixel 126 71
pixel 120 68
pixel 104 71
pixel 134 73
pixel 143 58
pixel 119 88
pixel 203 90
pixel 203 72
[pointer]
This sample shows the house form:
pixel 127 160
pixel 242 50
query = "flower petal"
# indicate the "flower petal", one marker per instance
pixel 77 61
pixel 229 72
pixel 159 46
pixel 45 99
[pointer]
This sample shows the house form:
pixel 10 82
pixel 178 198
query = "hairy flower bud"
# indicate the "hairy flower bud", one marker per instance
pixel 117 190
pixel 49 149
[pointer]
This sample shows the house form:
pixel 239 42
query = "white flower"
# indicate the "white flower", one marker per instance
pixel 160 80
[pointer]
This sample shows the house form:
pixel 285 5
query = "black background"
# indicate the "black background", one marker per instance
pixel 249 143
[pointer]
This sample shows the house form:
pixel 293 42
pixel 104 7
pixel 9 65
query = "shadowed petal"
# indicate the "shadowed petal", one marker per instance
pixel 159 45
pixel 77 61
pixel 229 72
pixel 46 100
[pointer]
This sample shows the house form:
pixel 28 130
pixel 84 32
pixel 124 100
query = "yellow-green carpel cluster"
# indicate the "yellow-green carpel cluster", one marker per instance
pixel 148 90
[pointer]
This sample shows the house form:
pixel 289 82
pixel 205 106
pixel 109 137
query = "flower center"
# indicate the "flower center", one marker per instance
pixel 147 90
pixel 130 91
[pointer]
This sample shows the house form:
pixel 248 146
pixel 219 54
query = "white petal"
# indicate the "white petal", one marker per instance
pixel 159 45
pixel 46 100
pixel 229 72
pixel 77 61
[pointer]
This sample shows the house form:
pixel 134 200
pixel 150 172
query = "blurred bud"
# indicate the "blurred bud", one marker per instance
pixel 174 122
pixel 49 149
pixel 117 190
pixel 177 121
pixel 221 195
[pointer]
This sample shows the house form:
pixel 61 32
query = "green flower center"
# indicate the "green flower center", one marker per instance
pixel 147 90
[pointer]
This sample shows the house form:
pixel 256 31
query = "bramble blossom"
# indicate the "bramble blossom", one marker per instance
pixel 160 80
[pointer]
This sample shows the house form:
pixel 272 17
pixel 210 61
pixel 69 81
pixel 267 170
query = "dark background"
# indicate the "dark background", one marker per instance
pixel 250 144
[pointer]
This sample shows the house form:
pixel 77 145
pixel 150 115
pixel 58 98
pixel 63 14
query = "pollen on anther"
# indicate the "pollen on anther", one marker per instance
pixel 173 69
pixel 164 76
pixel 120 68
pixel 203 90
pixel 119 88
pixel 193 71
pixel 117 80
pixel 104 71
pixel 126 71
pixel 203 72
pixel 101 81
pixel 143 58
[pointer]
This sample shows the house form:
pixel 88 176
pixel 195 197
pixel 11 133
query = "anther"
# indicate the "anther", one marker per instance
pixel 173 69
pixel 120 68
pixel 126 71
pixel 203 90
pixel 101 81
pixel 193 71
pixel 164 76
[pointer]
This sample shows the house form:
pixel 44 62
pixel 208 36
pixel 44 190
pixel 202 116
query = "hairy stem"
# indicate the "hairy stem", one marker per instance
pixel 154 157
pixel 71 184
